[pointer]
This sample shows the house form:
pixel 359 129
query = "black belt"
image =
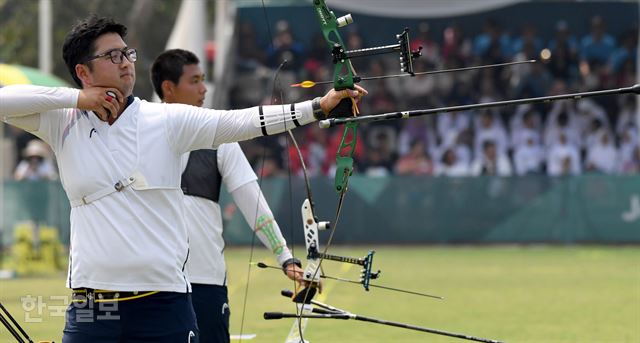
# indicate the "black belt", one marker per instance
pixel 98 295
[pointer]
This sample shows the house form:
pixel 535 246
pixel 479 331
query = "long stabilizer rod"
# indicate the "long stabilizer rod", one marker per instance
pixel 327 123
pixel 331 312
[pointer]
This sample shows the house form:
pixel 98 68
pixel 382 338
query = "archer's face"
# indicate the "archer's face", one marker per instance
pixel 104 72
pixel 190 89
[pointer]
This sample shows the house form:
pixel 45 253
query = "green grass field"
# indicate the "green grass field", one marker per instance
pixel 514 294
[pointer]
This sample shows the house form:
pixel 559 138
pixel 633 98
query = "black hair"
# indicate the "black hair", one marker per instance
pixel 169 66
pixel 79 44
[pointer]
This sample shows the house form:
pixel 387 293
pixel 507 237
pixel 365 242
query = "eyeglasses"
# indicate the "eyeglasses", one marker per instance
pixel 116 55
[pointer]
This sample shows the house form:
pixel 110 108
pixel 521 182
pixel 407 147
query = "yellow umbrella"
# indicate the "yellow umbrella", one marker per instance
pixel 12 74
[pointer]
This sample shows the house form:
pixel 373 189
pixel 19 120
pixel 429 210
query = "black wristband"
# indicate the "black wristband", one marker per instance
pixel 292 260
pixel 318 113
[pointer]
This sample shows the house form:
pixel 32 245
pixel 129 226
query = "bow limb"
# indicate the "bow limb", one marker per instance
pixel 343 78
pixel 311 275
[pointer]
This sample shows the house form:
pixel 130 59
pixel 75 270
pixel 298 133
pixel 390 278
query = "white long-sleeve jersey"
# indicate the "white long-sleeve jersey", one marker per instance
pixel 123 181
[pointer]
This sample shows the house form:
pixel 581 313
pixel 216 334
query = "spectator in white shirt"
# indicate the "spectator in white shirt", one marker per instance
pixel 450 124
pixel 602 156
pixel 627 114
pixel 528 129
pixel 632 165
pixel 563 158
pixel 628 145
pixel 491 162
pixel 588 111
pixel 529 157
pixel 460 143
pixel 517 120
pixel 450 165
pixel 489 128
pixel 560 121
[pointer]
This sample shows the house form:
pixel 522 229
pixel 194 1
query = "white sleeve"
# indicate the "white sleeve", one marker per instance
pixel 234 167
pixel 238 125
pixel 188 127
pixel 36 109
pixel 23 100
pixel 191 128
pixel 256 211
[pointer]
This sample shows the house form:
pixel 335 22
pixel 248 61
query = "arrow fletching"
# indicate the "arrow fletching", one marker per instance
pixel 304 84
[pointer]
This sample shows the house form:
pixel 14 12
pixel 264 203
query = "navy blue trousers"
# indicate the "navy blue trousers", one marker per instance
pixel 164 317
pixel 211 304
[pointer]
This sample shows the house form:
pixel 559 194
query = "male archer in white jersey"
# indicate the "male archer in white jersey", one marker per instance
pixel 120 165
pixel 177 78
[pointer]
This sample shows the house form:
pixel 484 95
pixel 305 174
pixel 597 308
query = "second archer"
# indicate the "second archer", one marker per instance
pixel 178 78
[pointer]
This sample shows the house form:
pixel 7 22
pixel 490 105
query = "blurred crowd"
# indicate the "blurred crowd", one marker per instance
pixel 559 138
pixel 597 135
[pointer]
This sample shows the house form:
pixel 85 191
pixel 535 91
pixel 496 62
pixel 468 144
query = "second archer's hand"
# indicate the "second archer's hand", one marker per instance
pixel 330 100
pixel 296 273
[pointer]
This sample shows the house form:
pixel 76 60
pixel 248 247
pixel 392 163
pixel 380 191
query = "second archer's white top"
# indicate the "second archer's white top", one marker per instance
pixel 204 220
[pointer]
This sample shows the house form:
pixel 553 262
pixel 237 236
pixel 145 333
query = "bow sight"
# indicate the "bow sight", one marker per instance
pixel 340 55
pixel 403 47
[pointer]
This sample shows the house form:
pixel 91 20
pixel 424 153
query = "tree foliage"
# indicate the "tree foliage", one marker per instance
pixel 149 21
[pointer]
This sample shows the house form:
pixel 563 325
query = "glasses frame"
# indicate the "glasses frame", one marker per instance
pixel 124 53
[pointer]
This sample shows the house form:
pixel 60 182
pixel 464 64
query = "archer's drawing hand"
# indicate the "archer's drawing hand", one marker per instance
pixel 101 101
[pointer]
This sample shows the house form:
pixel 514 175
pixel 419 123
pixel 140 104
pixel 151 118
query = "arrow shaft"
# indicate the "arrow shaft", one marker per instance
pixel 263 265
pixel 432 72
pixel 416 113
pixel 383 287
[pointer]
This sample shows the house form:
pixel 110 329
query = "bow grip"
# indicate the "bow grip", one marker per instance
pixel 344 109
